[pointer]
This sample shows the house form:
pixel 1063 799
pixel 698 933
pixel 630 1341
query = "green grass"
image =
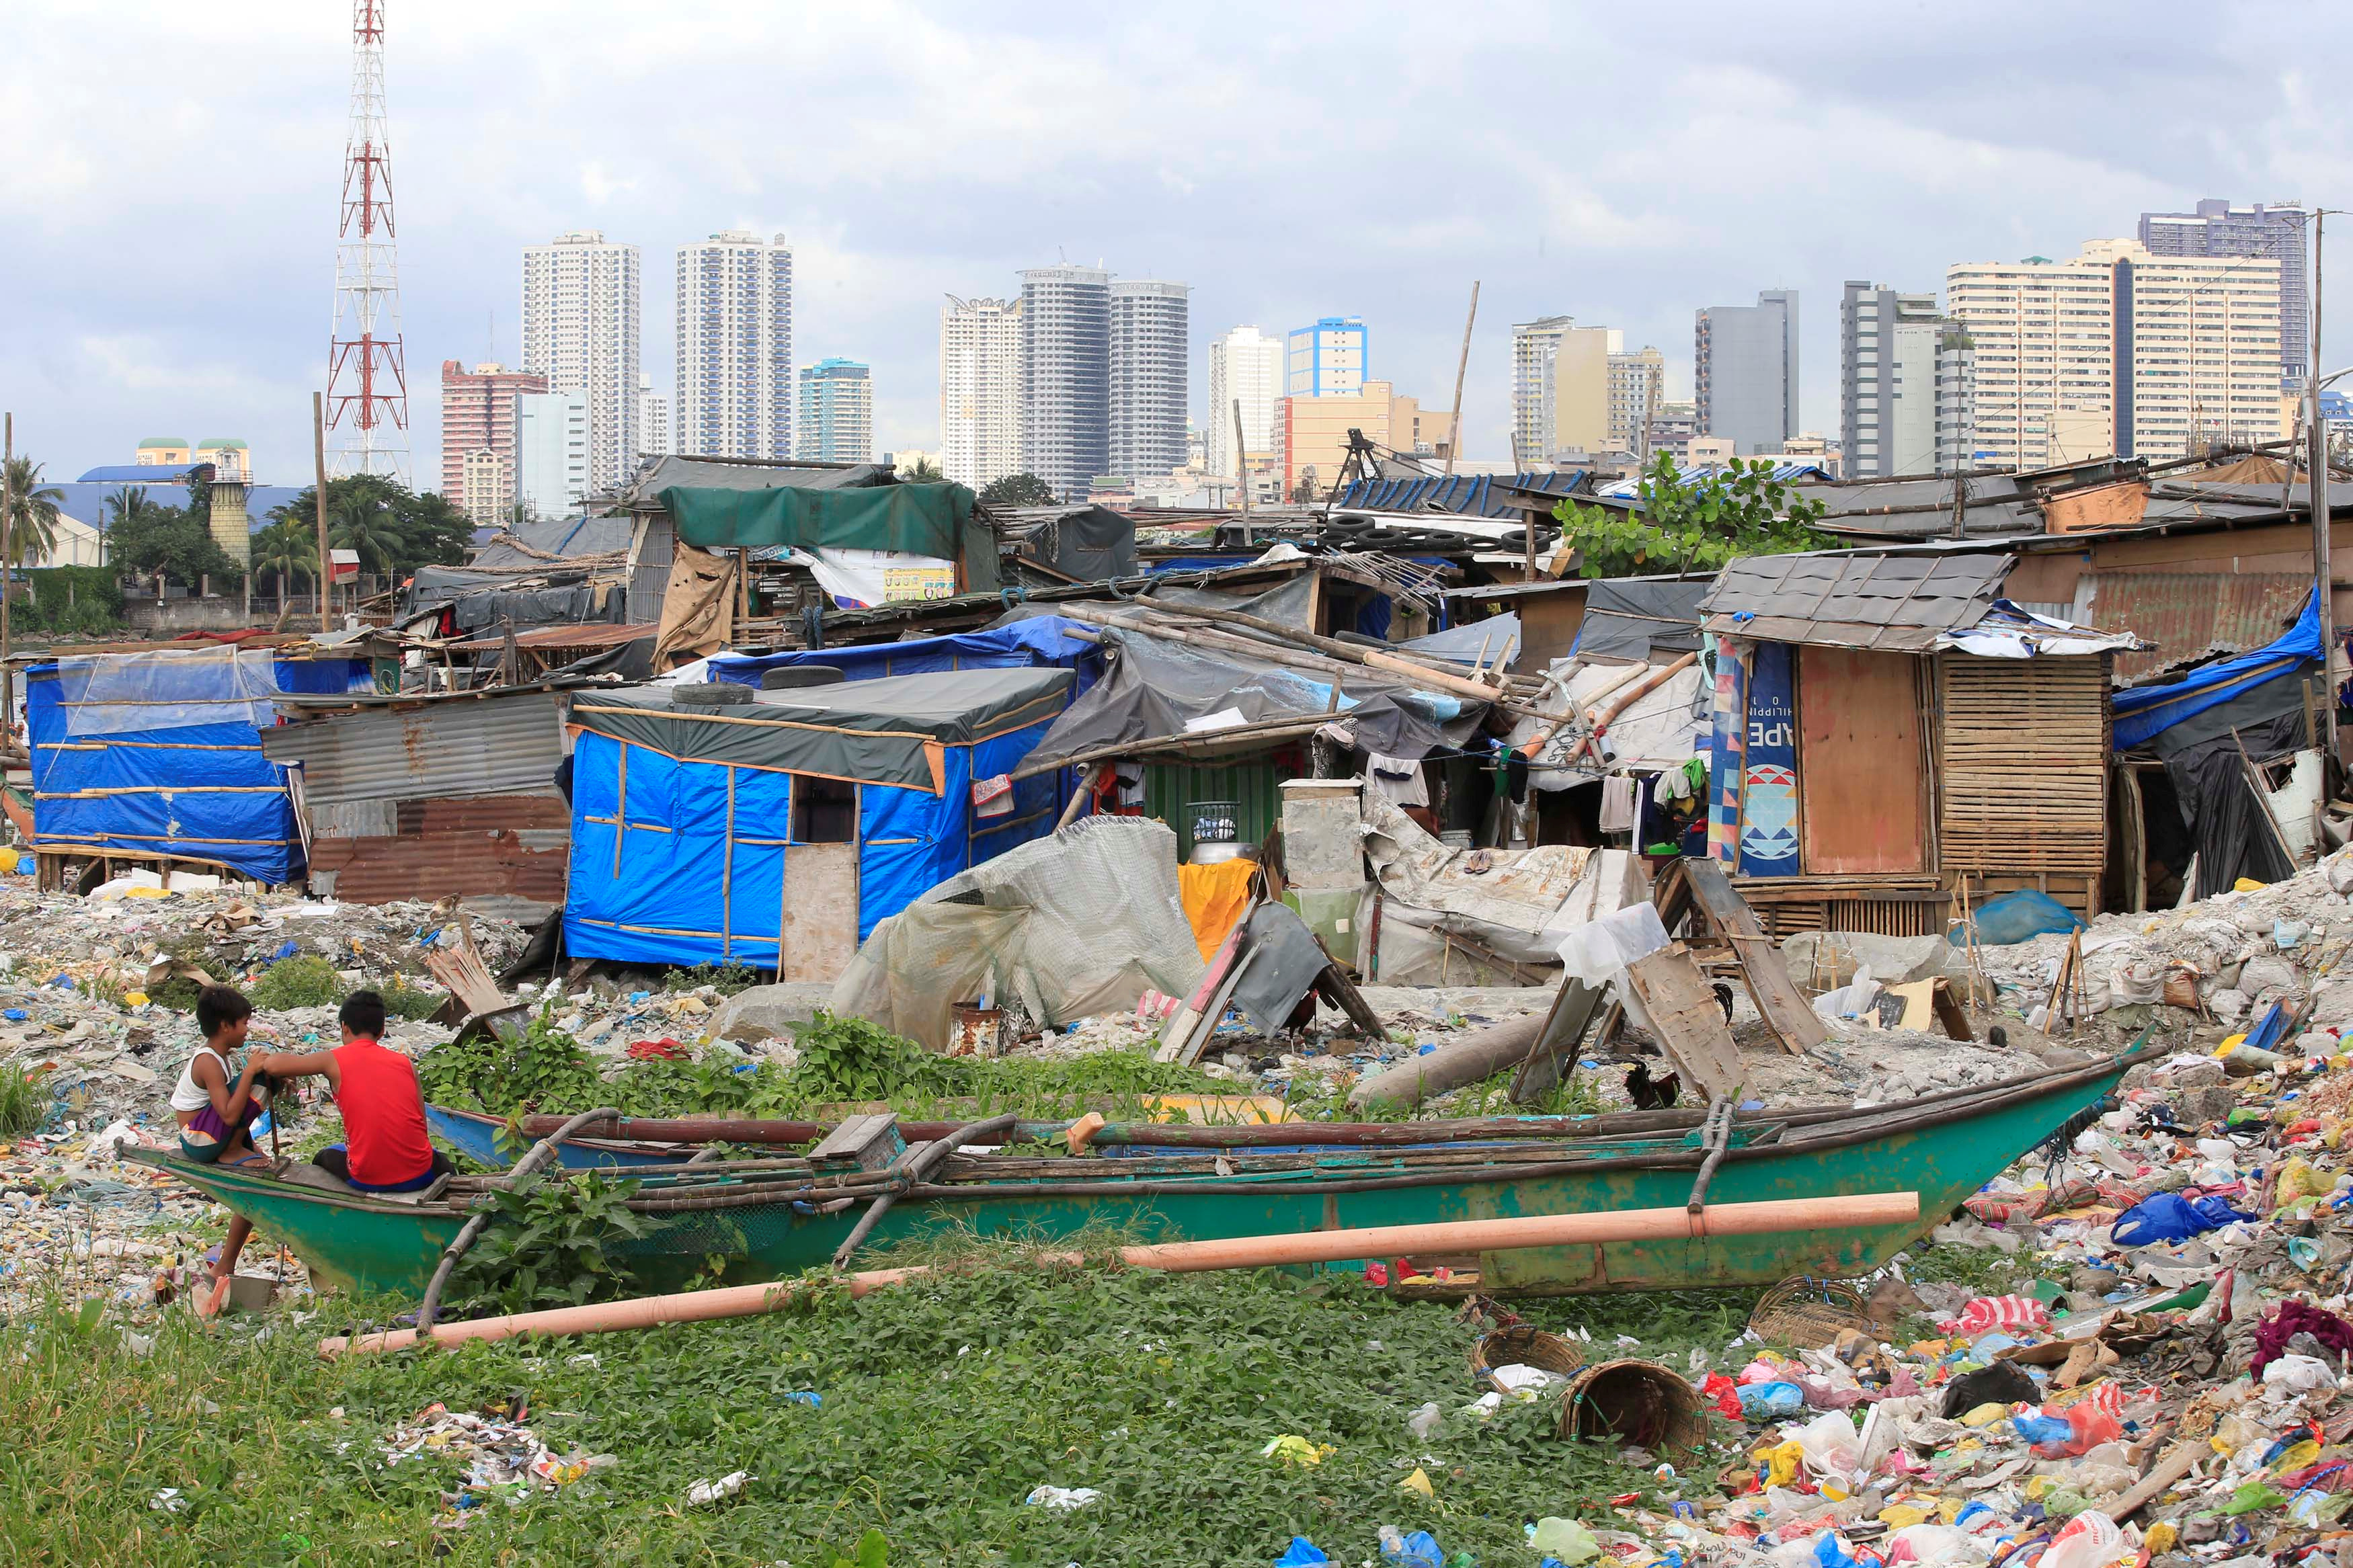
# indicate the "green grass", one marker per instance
pixel 944 1403
pixel 25 1100
pixel 305 980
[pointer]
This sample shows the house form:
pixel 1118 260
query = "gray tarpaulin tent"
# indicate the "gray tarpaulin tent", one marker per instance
pixel 1158 691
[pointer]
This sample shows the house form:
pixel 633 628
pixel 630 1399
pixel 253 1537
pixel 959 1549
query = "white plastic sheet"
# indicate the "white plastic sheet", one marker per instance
pixel 1599 951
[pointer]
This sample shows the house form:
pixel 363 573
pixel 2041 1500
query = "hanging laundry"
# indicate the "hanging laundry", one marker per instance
pixel 1619 794
pixel 1400 778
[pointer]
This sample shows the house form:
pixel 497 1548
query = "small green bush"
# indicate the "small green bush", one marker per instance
pixel 305 980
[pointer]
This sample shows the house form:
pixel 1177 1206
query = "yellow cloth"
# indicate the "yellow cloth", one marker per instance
pixel 1215 898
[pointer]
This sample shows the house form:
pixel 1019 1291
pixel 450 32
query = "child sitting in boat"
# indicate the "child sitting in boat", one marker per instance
pixel 212 1103
pixel 385 1149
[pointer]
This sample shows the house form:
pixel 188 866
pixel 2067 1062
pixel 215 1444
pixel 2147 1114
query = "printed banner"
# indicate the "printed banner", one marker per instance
pixel 1768 798
pixel 1727 749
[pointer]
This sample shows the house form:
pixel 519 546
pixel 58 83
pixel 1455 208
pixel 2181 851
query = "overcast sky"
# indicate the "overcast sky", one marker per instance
pixel 170 174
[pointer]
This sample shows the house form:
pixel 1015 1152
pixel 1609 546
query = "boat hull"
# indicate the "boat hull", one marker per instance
pixel 476 1136
pixel 378 1244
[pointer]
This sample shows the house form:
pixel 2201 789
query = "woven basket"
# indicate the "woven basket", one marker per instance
pixel 1524 1345
pixel 1637 1402
pixel 1808 1313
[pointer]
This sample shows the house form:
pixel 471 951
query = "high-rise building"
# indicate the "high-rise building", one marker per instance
pixel 478 414
pixel 1328 359
pixel 484 477
pixel 980 390
pixel 1066 376
pixel 1956 400
pixel 735 322
pixel 653 420
pixel 2219 229
pixel 1638 386
pixel 1246 365
pixel 837 413
pixel 1534 343
pixel 1673 428
pixel 1312 433
pixel 580 332
pixel 552 452
pixel 1889 342
pixel 1745 371
pixel 1151 348
pixel 2118 353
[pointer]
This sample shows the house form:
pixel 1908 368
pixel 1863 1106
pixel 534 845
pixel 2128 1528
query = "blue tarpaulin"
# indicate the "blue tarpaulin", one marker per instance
pixel 690 826
pixel 1041 642
pixel 2149 710
pixel 200 792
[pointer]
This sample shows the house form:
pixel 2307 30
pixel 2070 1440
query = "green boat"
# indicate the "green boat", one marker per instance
pixel 776 1217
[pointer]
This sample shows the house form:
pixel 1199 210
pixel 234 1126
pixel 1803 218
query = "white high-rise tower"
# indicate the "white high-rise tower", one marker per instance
pixel 580 330
pixel 734 316
pixel 980 390
pixel 1246 365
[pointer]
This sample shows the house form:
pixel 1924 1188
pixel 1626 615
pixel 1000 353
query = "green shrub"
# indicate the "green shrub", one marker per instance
pixel 24 1100
pixel 544 1071
pixel 305 980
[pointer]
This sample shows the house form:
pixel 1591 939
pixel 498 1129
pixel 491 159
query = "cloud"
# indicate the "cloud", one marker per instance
pixel 173 227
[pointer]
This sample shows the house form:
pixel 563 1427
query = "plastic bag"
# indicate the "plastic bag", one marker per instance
pixel 1418 1550
pixel 2170 1216
pixel 1565 1539
pixel 2018 917
pixel 1299 1553
pixel 2300 1372
pixel 1596 950
pixel 2090 1540
pixel 1987 1313
pixel 1933 1546
pixel 1830 1443
pixel 2088 1427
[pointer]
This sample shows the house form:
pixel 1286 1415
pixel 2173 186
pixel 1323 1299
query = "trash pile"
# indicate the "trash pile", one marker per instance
pixel 504 1460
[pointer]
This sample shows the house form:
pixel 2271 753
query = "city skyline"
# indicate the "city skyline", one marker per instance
pixel 118 335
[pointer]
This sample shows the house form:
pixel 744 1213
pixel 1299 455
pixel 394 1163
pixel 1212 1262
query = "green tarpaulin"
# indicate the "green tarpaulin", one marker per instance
pixel 914 519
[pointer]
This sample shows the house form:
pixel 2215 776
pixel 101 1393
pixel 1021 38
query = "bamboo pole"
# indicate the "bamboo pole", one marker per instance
pixel 1772 1218
pixel 318 496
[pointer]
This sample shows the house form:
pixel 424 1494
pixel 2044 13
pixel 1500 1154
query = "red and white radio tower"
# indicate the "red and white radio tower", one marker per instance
pixel 367 375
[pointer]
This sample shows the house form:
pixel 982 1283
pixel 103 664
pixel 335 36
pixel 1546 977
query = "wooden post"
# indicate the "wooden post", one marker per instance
pixel 7 523
pixel 318 497
pixel 1242 472
pixel 1462 364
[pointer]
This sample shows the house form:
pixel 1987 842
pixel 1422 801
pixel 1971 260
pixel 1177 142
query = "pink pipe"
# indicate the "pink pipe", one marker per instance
pixel 1240 1252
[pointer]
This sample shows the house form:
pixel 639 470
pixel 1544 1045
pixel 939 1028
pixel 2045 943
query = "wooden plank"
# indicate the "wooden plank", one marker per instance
pixel 1859 765
pixel 1794 1022
pixel 1683 1013
pixel 820 934
pixel 1950 1013
pixel 1573 1006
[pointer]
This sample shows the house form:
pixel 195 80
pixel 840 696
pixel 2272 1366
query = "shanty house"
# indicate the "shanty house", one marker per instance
pixel 1886 724
pixel 156 759
pixel 775 833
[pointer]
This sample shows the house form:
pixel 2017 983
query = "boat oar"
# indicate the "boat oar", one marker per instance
pixel 523 1169
pixel 1240 1252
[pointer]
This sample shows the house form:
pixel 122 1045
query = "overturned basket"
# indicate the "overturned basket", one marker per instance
pixel 1637 1402
pixel 1808 1313
pixel 1523 1344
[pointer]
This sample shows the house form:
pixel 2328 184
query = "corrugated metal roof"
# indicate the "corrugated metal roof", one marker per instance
pixel 500 745
pixel 2187 614
pixel 1631 487
pixel 1463 495
pixel 1850 600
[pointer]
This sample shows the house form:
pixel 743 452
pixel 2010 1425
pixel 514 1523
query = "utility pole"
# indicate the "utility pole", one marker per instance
pixel 1242 472
pixel 318 497
pixel 7 523
pixel 2322 572
pixel 1455 432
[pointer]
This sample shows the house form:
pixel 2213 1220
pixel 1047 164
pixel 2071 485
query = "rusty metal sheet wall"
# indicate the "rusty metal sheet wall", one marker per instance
pixel 506 847
pixel 2184 613
pixel 496 745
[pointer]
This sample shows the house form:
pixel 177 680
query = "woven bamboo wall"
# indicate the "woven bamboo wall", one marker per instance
pixel 2022 765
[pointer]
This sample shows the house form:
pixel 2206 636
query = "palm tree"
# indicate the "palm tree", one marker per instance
pixel 286 550
pixel 32 514
pixel 922 471
pixel 366 525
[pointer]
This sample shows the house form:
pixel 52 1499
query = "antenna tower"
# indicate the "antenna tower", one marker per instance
pixel 367 375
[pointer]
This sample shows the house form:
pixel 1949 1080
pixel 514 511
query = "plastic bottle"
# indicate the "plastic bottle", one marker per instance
pixel 2090 1540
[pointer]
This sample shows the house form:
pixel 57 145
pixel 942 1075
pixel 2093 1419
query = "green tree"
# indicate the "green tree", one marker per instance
pixel 922 471
pixel 32 513
pixel 145 539
pixel 1016 489
pixel 392 526
pixel 287 551
pixel 1714 519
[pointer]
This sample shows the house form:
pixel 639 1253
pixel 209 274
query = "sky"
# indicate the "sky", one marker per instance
pixel 171 174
